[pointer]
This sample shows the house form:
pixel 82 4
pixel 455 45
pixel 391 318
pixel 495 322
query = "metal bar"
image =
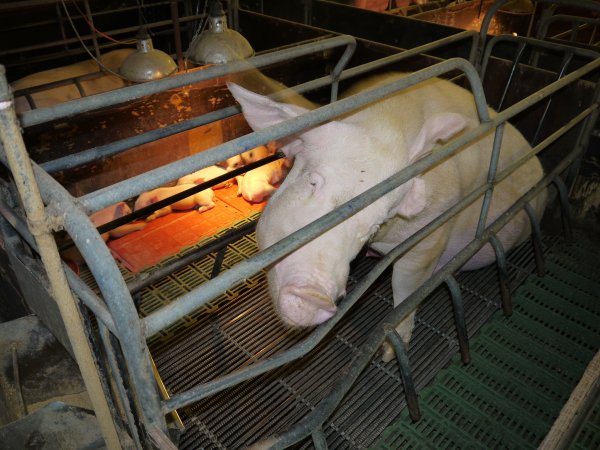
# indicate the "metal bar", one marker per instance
pixel 197 393
pixel 20 166
pixel 189 302
pixel 566 60
pixel 196 298
pixel 318 438
pixel 362 357
pixel 505 296
pixel 113 287
pixel 177 34
pixel 147 279
pixel 485 24
pixel 59 83
pixel 82 290
pixel 75 40
pixel 565 208
pixel 111 284
pixel 218 262
pixel 519 54
pixel 536 237
pixel 580 20
pixel 88 12
pixel 117 383
pixel 491 177
pixel 339 67
pixel 17 380
pixel 458 308
pixel 410 392
pixel 129 93
pixel 584 53
pixel 92 154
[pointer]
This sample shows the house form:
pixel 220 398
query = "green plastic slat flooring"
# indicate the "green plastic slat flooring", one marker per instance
pixel 523 368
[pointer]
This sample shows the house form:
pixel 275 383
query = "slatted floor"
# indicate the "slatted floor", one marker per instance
pixel 523 368
pixel 240 328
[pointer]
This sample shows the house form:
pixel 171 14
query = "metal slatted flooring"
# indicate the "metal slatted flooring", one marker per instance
pixel 240 328
pixel 523 368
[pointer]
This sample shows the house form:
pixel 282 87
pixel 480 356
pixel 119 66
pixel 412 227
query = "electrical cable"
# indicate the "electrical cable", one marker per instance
pixel 104 35
pixel 106 69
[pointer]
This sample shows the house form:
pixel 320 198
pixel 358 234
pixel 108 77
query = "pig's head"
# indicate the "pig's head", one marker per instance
pixel 255 154
pixel 333 163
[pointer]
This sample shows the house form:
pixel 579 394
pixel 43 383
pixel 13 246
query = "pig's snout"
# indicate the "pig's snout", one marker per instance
pixel 304 307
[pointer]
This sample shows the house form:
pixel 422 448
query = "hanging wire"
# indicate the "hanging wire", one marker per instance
pixel 96 30
pixel 200 28
pixel 104 67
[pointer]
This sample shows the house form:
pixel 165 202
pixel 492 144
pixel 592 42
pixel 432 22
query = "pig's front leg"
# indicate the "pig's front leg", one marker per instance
pixel 239 180
pixel 205 207
pixel 410 271
pixel 159 213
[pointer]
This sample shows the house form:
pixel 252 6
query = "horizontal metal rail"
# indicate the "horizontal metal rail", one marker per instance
pixel 364 354
pixel 198 297
pixel 492 10
pixel 585 53
pixel 87 156
pixel 574 20
pixel 188 302
pixel 129 93
pixel 86 37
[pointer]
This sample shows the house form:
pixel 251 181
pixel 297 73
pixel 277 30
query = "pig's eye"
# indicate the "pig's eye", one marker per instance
pixel 315 181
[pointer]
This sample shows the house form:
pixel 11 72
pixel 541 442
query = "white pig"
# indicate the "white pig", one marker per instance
pixel 342 158
pixel 250 156
pixel 204 175
pixel 255 154
pixel 202 199
pixel 235 162
pixel 258 184
pixel 111 213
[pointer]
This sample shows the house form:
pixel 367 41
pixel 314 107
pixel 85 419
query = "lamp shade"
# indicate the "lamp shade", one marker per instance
pixel 218 44
pixel 147 63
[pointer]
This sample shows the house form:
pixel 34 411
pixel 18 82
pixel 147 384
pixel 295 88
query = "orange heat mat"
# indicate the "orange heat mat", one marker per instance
pixel 168 235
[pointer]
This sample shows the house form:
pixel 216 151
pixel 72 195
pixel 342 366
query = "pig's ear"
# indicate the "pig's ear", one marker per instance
pixel 122 209
pixel 262 112
pixel 438 127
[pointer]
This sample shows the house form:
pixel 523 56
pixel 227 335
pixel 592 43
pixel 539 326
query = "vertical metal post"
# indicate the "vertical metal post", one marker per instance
pixel 88 12
pixel 177 34
pixel 513 69
pixel 318 438
pixel 565 208
pixel 487 198
pixel 405 372
pixel 121 397
pixel 536 238
pixel 459 320
pixel 502 275
pixel 20 166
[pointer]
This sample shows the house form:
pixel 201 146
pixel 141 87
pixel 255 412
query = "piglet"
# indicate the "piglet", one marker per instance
pixel 204 175
pixel 202 199
pixel 252 155
pixel 258 184
pixel 235 162
pixel 255 154
pixel 114 212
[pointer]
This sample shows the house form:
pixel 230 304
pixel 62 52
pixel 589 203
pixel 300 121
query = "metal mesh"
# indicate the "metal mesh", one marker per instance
pixel 241 328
